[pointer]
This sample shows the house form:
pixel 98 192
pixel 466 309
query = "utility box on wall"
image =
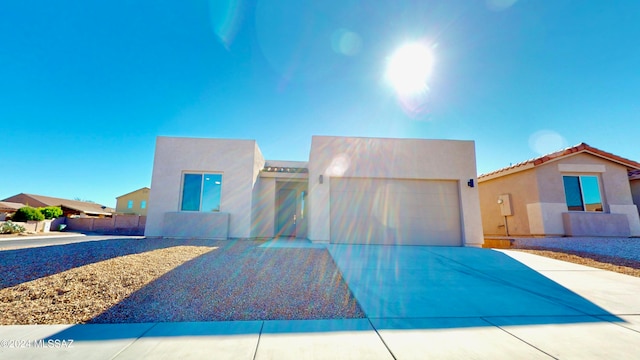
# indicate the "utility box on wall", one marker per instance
pixel 504 201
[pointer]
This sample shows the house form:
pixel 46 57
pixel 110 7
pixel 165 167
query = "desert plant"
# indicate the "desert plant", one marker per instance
pixel 11 228
pixel 51 212
pixel 27 213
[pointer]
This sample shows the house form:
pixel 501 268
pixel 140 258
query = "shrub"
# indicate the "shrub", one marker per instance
pixel 51 212
pixel 11 228
pixel 27 213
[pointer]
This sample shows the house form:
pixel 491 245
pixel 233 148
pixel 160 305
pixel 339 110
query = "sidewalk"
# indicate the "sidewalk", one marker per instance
pixel 561 310
pixel 23 242
pixel 39 236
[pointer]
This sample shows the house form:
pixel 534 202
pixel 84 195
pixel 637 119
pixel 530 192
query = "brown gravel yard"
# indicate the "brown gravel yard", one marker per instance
pixel 147 280
pixel 610 263
pixel 79 294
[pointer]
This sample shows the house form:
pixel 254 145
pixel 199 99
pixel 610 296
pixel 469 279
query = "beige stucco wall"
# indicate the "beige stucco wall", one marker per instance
pixel 137 196
pixel 392 158
pixel 123 224
pixel 237 160
pixel 541 191
pixel 523 188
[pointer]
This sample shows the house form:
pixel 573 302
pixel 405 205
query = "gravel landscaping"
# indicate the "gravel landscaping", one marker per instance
pixel 621 255
pixel 79 294
pixel 130 281
pixel 626 248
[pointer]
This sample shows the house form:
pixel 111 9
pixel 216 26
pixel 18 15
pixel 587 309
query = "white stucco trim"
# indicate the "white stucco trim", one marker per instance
pixel 632 215
pixel 546 218
pixel 582 168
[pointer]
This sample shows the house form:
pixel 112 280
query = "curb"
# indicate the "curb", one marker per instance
pixel 31 237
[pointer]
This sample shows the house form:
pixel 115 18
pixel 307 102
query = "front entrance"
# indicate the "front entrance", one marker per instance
pixel 290 209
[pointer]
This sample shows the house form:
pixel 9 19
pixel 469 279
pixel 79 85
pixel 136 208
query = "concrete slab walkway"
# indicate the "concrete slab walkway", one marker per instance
pixel 421 302
pixel 430 302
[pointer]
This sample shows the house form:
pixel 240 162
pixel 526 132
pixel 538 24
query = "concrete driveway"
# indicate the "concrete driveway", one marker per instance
pixel 467 303
pixel 420 303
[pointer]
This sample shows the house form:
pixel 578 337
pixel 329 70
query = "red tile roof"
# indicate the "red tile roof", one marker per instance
pixel 580 148
pixel 81 206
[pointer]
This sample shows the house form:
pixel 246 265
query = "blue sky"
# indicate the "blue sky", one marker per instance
pixel 86 86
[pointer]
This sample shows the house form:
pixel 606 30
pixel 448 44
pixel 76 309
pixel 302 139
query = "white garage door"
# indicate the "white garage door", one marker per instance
pixel 388 211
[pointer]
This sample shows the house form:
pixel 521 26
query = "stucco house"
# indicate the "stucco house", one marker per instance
pixel 70 208
pixel 351 190
pixel 578 191
pixel 634 182
pixel 133 203
pixel 8 208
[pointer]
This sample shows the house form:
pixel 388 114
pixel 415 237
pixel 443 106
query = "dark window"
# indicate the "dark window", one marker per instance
pixel 582 193
pixel 201 192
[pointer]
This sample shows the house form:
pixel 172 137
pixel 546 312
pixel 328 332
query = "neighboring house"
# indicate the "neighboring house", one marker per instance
pixel 70 208
pixel 578 191
pixel 352 190
pixel 8 208
pixel 634 182
pixel 133 203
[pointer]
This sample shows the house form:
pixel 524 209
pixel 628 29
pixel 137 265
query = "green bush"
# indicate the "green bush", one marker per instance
pixel 11 228
pixel 51 212
pixel 27 213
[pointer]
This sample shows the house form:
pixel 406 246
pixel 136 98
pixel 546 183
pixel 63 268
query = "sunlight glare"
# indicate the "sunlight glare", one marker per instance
pixel 546 141
pixel 338 166
pixel 409 68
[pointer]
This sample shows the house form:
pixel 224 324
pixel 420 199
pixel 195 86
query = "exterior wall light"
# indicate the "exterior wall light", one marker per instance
pixel 470 183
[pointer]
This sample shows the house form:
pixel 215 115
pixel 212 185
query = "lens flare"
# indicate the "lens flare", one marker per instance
pixel 499 5
pixel 546 141
pixel 226 16
pixel 346 42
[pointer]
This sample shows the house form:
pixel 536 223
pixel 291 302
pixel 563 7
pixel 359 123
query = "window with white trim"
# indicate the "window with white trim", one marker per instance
pixel 201 192
pixel 582 192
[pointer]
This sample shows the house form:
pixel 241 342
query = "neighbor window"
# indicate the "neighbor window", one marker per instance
pixel 130 204
pixel 201 192
pixel 143 204
pixel 582 193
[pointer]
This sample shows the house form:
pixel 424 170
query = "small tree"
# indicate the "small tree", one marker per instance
pixel 27 213
pixel 51 212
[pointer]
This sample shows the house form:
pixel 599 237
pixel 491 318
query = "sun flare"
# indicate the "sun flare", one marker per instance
pixel 409 68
